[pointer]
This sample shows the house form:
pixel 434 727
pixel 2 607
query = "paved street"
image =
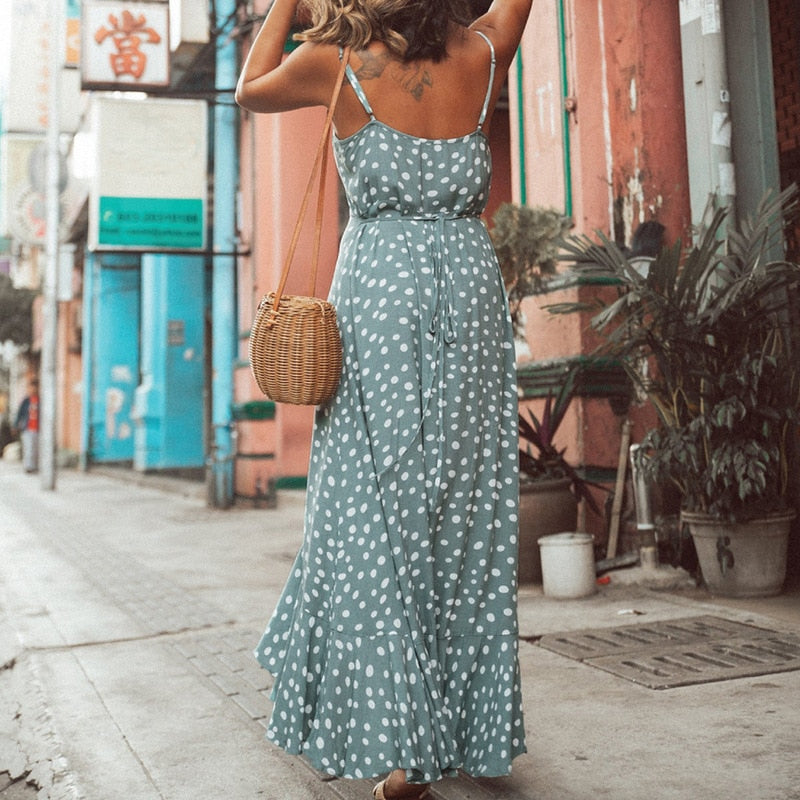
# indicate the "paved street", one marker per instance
pixel 129 610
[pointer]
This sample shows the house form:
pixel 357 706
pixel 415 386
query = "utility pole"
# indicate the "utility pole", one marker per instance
pixel 48 382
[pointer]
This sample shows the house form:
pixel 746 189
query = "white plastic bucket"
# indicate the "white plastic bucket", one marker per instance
pixel 568 565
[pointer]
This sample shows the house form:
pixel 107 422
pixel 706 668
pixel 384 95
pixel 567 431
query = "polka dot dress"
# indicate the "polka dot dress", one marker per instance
pixel 394 644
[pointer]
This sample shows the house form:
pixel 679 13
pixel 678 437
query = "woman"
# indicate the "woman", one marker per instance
pixel 27 423
pixel 394 644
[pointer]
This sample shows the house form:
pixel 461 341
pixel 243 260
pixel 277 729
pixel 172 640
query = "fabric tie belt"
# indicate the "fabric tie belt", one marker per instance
pixel 442 324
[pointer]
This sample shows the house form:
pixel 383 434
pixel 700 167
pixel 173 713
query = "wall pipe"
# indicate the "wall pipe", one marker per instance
pixel 87 361
pixel 566 141
pixel 223 282
pixel 523 187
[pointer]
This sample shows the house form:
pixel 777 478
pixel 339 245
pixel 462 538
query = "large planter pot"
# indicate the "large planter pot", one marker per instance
pixel 545 508
pixel 742 559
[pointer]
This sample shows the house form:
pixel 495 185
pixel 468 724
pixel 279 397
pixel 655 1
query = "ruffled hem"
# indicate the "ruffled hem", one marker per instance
pixel 358 706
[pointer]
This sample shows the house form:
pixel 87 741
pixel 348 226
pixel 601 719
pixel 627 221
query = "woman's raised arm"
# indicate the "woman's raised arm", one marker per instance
pixel 504 23
pixel 270 83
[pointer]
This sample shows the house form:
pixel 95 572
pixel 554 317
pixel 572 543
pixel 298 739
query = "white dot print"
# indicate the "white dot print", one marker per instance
pixel 394 642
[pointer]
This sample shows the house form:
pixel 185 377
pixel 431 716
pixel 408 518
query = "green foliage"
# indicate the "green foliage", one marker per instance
pixel 15 313
pixel 710 325
pixel 527 243
pixel 540 459
pixel 546 461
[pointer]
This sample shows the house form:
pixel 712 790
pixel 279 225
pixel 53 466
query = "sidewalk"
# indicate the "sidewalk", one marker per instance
pixel 127 619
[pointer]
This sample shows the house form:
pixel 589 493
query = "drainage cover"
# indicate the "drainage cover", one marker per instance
pixel 680 652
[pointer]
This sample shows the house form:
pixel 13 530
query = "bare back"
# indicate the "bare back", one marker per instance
pixel 425 99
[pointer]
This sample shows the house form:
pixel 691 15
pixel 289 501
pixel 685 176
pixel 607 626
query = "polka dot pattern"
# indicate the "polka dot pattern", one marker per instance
pixel 394 644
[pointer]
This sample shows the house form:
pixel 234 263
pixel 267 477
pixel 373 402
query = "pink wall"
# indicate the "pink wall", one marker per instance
pixel 628 159
pixel 628 150
pixel 69 377
pixel 649 161
pixel 541 110
pixel 276 157
pixel 68 363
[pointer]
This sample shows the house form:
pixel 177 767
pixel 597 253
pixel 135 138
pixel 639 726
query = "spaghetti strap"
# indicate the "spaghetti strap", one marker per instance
pixel 485 108
pixel 358 88
pixel 362 97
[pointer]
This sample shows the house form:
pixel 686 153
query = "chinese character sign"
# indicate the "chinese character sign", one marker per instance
pixel 128 33
pixel 125 45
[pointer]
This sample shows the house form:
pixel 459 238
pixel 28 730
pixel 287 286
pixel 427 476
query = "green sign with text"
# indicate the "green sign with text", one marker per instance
pixel 158 223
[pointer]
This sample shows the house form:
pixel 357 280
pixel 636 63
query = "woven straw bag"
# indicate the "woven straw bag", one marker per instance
pixel 295 348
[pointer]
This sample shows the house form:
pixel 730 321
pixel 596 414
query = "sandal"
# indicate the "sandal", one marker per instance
pixel 377 793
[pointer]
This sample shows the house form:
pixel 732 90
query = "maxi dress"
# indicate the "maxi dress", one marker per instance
pixel 394 643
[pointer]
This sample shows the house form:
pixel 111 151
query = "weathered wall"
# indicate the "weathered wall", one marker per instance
pixel 628 160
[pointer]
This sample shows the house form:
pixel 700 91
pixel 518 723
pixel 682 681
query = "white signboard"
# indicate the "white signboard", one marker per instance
pixel 150 189
pixel 29 41
pixel 188 22
pixel 22 204
pixel 124 45
pixel 23 168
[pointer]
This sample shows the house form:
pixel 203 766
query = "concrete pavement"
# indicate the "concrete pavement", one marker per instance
pixel 127 619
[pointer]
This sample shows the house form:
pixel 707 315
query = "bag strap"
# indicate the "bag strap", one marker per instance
pixel 320 166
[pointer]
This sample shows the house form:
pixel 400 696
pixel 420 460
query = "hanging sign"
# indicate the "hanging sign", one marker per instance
pixel 29 45
pixel 124 45
pixel 23 170
pixel 149 191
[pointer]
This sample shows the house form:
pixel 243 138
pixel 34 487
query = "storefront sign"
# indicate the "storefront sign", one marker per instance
pixel 150 186
pixel 151 222
pixel 188 23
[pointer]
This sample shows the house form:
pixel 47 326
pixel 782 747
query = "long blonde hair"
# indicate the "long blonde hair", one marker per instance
pixel 411 29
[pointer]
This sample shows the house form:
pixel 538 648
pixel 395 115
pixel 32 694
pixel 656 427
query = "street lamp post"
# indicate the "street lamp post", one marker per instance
pixel 48 383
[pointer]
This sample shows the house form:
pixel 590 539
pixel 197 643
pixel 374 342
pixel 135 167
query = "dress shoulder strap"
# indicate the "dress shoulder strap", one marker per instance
pixel 489 88
pixel 357 87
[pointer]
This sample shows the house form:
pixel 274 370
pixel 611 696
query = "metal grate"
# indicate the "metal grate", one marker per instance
pixel 664 655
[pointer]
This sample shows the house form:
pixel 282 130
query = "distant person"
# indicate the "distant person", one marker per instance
pixel 394 644
pixel 27 423
pixel 6 434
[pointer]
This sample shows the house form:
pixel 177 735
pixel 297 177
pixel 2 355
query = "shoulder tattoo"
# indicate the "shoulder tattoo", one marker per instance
pixel 372 65
pixel 414 79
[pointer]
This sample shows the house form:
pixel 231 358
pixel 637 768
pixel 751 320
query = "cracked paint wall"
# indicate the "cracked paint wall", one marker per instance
pixel 624 101
pixel 648 176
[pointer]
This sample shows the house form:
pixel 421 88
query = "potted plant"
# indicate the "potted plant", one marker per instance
pixel 550 488
pixel 526 241
pixel 704 335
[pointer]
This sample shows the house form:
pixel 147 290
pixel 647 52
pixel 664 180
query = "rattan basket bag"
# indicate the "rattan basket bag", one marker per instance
pixel 295 347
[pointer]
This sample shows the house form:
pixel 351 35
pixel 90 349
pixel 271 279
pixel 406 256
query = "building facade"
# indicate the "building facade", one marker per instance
pixel 617 113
